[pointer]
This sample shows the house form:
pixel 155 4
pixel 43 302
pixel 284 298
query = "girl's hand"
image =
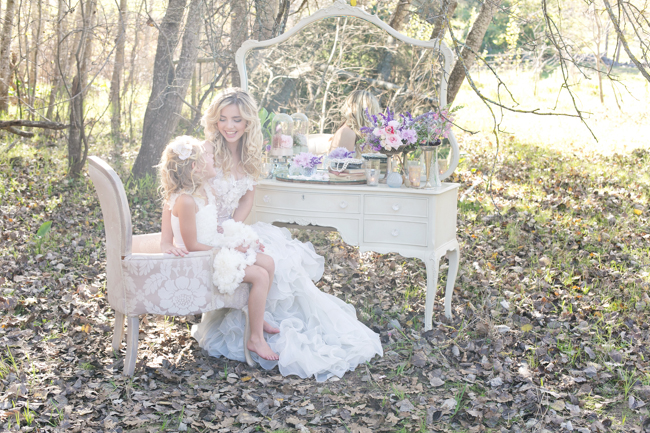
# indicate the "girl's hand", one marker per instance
pixel 178 252
pixel 219 229
pixel 242 248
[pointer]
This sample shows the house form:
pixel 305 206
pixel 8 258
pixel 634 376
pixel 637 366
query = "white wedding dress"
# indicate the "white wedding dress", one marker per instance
pixel 319 335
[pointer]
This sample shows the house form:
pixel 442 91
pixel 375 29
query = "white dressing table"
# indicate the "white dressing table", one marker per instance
pixel 411 222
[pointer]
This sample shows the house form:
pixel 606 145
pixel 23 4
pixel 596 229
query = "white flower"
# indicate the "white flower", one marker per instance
pixel 183 149
pixel 229 268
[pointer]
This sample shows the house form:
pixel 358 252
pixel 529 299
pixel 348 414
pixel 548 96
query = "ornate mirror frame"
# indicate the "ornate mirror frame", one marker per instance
pixel 340 9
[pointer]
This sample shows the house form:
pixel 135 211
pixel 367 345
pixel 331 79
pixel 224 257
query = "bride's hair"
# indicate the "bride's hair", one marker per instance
pixel 177 167
pixel 354 109
pixel 250 144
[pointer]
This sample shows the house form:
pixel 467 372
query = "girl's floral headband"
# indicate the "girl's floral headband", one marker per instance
pixel 182 149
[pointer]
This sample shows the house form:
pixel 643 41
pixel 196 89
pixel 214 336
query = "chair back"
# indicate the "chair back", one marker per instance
pixel 117 226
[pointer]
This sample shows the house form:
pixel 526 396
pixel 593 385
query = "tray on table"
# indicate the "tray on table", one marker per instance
pixel 333 179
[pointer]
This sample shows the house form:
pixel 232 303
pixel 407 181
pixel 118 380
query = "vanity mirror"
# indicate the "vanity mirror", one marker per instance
pixel 314 66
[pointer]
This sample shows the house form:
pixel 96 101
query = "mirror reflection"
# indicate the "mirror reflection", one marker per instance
pixel 321 68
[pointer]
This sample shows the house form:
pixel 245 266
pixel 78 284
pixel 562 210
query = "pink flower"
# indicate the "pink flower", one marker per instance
pixel 393 141
pixel 390 130
pixel 378 132
pixel 286 141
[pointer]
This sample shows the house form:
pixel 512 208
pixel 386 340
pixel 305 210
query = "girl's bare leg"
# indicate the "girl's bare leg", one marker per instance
pixel 259 279
pixel 265 261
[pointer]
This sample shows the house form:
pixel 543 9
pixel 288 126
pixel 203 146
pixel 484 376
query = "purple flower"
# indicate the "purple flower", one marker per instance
pixel 409 136
pixel 307 159
pixel 340 153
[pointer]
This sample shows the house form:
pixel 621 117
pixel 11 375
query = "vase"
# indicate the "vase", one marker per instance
pixel 431 167
pixel 308 171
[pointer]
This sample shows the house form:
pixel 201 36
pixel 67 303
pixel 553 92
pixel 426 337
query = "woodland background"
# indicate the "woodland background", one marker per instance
pixel 550 328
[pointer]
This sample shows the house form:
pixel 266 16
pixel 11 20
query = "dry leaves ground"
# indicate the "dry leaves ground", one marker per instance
pixel 550 329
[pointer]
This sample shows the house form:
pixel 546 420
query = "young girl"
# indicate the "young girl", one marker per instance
pixel 185 169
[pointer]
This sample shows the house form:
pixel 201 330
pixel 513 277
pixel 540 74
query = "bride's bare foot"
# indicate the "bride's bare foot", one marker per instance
pixel 269 329
pixel 263 349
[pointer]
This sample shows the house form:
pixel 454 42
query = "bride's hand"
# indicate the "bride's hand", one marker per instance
pixel 219 229
pixel 260 246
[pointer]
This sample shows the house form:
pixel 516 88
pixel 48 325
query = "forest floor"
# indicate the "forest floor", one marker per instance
pixel 550 328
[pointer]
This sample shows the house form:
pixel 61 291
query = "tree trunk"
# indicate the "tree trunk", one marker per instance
pixel 77 140
pixel 265 12
pixel 238 33
pixel 397 22
pixel 467 57
pixel 170 84
pixel 598 36
pixel 36 41
pixel 56 82
pixel 116 81
pixel 443 17
pixel 5 55
pixel 130 83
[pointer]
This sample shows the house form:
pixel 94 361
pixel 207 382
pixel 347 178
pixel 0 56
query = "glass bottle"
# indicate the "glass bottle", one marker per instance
pixel 300 133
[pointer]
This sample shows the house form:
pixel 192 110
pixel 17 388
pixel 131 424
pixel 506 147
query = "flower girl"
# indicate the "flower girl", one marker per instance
pixel 185 169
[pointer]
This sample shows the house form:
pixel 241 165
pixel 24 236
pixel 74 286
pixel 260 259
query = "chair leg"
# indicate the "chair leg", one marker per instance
pixel 247 336
pixel 118 333
pixel 133 325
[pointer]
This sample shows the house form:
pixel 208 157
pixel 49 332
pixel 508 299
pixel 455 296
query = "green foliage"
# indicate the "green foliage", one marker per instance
pixel 266 119
pixel 41 234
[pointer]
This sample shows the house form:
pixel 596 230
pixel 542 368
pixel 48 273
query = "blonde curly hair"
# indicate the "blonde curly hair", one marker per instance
pixel 181 172
pixel 354 109
pixel 250 145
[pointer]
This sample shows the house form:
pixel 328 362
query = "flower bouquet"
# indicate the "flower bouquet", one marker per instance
pixel 390 135
pixel 433 126
pixel 307 162
pixel 341 159
pixel 393 135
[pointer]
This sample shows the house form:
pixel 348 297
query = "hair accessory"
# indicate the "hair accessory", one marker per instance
pixel 183 149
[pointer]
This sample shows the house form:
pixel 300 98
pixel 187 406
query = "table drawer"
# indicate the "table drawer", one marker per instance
pixel 312 202
pixel 395 232
pixel 391 205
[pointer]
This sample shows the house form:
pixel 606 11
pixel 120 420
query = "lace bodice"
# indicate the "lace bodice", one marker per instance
pixel 206 219
pixel 229 191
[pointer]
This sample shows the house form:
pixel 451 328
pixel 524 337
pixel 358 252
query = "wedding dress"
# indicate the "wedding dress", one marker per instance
pixel 319 335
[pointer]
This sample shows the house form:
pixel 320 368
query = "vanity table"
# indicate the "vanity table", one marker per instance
pixel 289 71
pixel 411 222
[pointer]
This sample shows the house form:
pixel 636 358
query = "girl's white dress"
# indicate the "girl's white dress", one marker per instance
pixel 319 335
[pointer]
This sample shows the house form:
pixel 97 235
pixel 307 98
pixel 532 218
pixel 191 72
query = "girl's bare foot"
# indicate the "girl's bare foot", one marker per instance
pixel 263 349
pixel 270 329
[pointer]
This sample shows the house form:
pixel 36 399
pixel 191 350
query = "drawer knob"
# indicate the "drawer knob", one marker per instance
pixel 395 207
pixel 266 199
pixel 395 233
pixel 343 204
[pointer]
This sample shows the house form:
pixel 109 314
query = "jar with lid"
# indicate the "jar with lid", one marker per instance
pixel 282 139
pixel 300 133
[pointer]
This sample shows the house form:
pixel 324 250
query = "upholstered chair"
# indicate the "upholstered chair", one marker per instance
pixel 142 280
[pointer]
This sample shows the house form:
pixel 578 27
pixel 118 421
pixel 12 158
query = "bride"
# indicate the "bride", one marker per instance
pixel 319 334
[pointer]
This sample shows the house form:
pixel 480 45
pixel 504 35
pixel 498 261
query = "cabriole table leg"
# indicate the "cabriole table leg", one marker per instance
pixel 432 264
pixel 454 258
